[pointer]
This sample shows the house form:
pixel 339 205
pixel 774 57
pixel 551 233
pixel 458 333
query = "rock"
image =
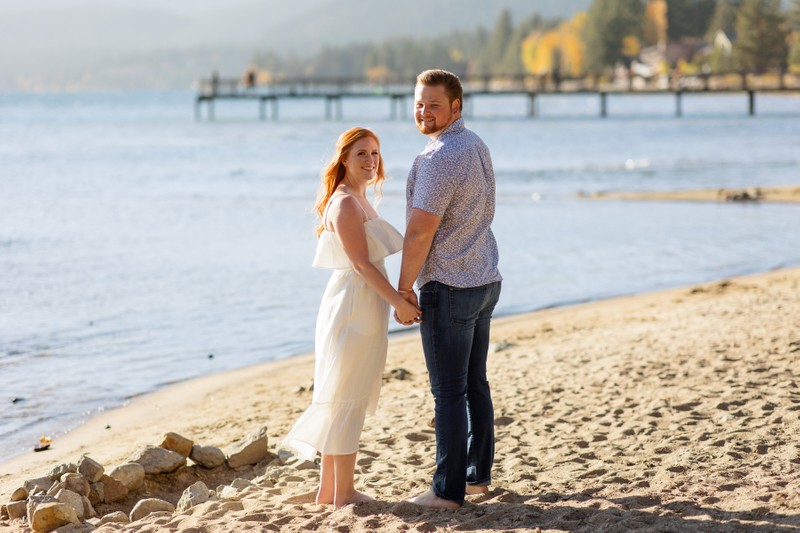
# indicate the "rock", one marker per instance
pixel 35 500
pixel 177 444
pixel 76 483
pixel 241 483
pixel 113 490
pixel 226 492
pixel 193 495
pixel 41 483
pixel 207 456
pixel 73 500
pixel 96 493
pixel 49 516
pixel 114 518
pixel 57 472
pixel 251 450
pixel 130 474
pixel 19 494
pixel 150 505
pixel 90 469
pixel 88 510
pixel 55 488
pixel 157 460
pixel 17 509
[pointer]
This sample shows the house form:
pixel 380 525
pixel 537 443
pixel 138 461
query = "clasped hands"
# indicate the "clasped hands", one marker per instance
pixel 411 313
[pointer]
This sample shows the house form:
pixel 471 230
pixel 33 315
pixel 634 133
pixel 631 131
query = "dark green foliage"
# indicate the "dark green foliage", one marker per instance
pixel 794 15
pixel 608 23
pixel 688 18
pixel 761 32
pixel 724 18
pixel 757 27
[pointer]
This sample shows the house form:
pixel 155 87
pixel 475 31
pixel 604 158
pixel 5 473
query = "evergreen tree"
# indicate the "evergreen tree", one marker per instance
pixel 724 18
pixel 492 56
pixel 688 18
pixel 794 21
pixel 760 35
pixel 608 23
pixel 794 16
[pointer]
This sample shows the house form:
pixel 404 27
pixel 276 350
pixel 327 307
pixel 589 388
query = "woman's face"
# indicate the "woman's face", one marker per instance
pixel 361 164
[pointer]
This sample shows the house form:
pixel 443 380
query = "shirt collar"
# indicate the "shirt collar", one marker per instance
pixel 456 126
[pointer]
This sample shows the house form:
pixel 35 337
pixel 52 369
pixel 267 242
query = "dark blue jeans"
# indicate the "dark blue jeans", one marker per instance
pixel 455 338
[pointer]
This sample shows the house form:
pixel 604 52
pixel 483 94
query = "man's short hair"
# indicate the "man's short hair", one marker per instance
pixel 448 80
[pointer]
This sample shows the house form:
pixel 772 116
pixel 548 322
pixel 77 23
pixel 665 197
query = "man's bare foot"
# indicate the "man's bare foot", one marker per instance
pixel 432 501
pixel 357 497
pixel 475 490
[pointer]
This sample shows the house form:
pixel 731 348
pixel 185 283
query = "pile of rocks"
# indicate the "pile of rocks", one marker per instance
pixel 740 195
pixel 70 493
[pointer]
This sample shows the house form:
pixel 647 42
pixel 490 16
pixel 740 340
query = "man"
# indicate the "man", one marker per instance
pixel 450 251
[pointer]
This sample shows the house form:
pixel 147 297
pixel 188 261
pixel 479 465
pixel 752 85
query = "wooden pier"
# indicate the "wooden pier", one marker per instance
pixel 333 91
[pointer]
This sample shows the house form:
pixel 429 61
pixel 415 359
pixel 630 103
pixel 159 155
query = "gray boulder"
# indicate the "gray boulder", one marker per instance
pixel 251 450
pixel 114 518
pixel 90 469
pixel 157 460
pixel 207 456
pixel 72 499
pixel 130 474
pixel 193 495
pixel 50 516
pixel 149 506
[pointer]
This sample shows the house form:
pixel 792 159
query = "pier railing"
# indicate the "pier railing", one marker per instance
pixel 333 90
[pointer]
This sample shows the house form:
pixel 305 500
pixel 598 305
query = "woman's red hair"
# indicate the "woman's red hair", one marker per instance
pixel 334 171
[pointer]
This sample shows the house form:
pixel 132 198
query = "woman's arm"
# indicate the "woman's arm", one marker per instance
pixel 346 217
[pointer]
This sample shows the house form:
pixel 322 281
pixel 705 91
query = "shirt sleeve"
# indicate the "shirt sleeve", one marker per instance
pixel 438 179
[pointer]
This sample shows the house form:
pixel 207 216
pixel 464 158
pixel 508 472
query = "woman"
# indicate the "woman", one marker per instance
pixel 351 335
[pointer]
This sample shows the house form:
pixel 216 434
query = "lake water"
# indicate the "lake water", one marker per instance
pixel 136 242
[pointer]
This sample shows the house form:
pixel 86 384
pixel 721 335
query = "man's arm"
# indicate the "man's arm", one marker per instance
pixel 421 228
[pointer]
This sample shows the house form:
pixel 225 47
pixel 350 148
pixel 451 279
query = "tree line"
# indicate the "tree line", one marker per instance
pixel 710 36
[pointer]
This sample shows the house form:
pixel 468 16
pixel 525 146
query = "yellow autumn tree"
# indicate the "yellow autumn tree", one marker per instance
pixel 561 48
pixel 655 22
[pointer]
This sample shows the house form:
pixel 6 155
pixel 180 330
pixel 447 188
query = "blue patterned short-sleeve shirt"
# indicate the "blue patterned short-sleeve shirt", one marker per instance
pixel 453 178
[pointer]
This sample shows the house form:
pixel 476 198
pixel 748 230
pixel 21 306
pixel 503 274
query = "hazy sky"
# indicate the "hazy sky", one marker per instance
pixel 72 43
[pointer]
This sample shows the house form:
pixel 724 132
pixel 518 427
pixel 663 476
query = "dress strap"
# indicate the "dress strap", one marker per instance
pixel 330 201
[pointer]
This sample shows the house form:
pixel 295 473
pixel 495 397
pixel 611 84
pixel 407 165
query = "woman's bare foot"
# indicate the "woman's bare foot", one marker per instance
pixel 475 490
pixel 324 496
pixel 432 501
pixel 357 497
pixel 323 499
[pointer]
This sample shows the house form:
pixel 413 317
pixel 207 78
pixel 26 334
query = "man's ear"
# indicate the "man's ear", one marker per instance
pixel 456 107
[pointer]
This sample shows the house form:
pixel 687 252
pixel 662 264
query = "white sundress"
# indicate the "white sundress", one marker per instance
pixel 350 347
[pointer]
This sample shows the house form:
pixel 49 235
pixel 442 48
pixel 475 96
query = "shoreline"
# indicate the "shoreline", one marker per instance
pixel 779 194
pixel 673 409
pixel 104 413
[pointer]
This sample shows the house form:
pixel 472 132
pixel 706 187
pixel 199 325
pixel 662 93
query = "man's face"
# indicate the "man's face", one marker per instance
pixel 432 109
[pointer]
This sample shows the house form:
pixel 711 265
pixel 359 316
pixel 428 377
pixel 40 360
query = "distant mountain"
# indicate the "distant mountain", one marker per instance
pixel 337 22
pixel 94 44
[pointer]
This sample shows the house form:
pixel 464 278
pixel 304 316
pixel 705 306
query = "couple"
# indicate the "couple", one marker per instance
pixel 450 252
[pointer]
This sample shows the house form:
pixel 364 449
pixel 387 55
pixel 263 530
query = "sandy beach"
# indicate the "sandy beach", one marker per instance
pixel 670 411
pixel 783 194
